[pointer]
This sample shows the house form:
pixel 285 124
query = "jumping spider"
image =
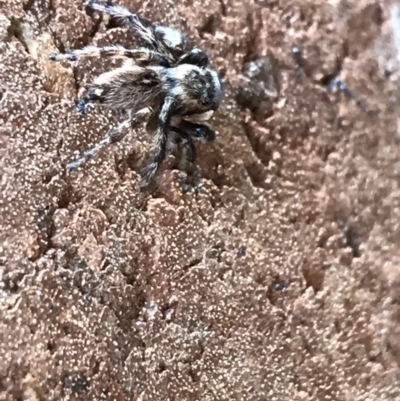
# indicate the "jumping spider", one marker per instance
pixel 166 80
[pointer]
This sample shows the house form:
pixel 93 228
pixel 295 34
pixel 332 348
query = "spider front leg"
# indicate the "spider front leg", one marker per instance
pixel 160 142
pixel 163 38
pixel 113 136
pixel 199 131
pixel 143 27
pixel 186 131
pixel 195 56
pixel 142 57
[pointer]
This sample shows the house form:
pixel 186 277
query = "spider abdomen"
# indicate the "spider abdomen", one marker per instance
pixel 130 88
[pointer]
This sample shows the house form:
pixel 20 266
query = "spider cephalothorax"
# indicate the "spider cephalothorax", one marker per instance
pixel 166 80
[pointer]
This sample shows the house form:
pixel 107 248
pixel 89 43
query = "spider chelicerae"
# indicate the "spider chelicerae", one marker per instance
pixel 166 81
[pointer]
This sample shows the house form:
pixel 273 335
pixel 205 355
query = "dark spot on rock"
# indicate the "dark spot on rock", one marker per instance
pixel 241 251
pixel 279 285
pixel 211 25
pixel 77 383
pixel 161 367
pixel 351 239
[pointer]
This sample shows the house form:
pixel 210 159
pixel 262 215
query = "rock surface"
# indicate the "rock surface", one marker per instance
pixel 279 280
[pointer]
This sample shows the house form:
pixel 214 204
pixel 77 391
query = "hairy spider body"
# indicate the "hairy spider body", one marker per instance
pixel 166 81
pixel 195 90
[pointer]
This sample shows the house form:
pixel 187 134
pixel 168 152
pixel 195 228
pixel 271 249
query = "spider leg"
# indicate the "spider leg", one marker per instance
pixel 195 56
pixel 160 142
pixel 187 131
pixel 188 150
pixel 143 27
pixel 141 57
pixel 187 162
pixel 199 131
pixel 164 39
pixel 114 135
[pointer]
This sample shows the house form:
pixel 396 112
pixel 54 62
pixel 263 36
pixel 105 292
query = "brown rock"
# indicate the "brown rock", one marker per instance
pixel 162 213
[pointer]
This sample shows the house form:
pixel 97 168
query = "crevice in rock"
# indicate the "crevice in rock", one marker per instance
pixel 96 22
pixel 218 180
pixel 314 278
pixel 15 31
pixel 224 9
pixel 193 263
pixel 264 155
pixel 324 151
pixel 28 5
pixel 252 38
pixel 193 376
pixel 11 280
pixel 257 175
pixel 211 25
pixel 77 81
pixel 59 146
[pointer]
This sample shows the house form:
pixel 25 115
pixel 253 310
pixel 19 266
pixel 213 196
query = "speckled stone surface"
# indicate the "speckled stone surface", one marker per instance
pixel 278 281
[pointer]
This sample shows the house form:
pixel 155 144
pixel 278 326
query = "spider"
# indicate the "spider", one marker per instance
pixel 166 80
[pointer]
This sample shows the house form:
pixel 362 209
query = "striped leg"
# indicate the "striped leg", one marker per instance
pixel 114 135
pixel 198 131
pixel 142 57
pixel 188 150
pixel 159 37
pixel 141 26
pixel 186 133
pixel 160 142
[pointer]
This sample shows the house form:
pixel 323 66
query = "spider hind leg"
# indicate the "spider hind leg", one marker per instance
pixel 116 134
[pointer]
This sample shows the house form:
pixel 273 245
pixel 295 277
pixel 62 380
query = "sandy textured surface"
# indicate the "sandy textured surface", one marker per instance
pixel 280 280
